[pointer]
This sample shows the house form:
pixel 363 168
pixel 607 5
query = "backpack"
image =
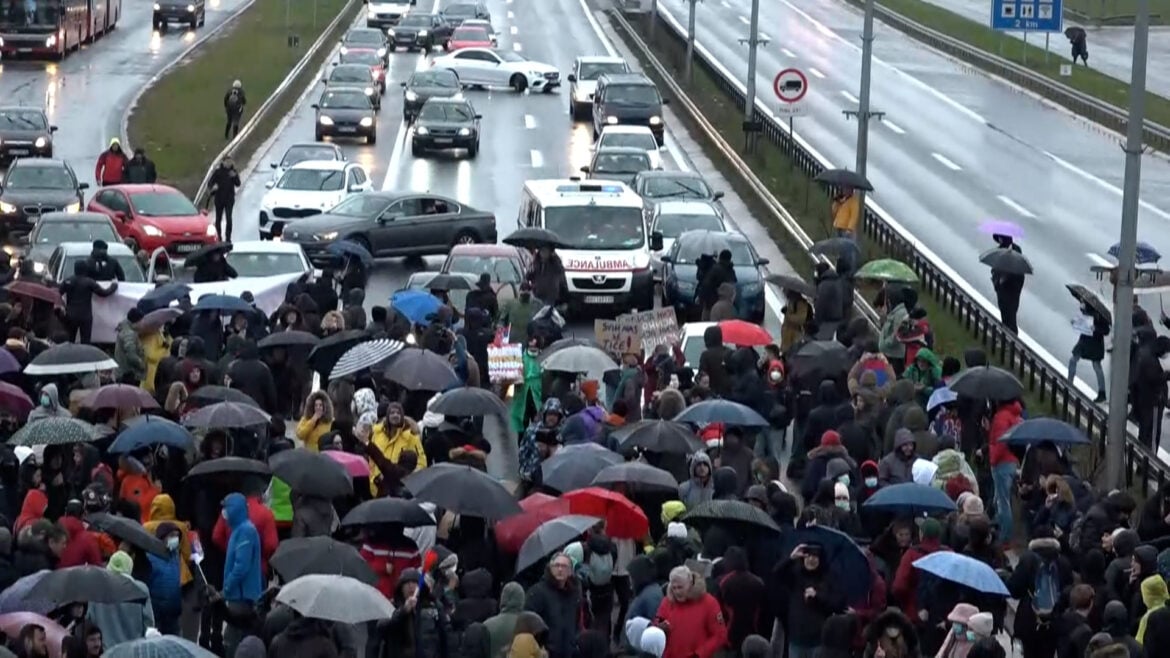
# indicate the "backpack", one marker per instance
pixel 1074 533
pixel 234 100
pixel 1045 589
pixel 600 569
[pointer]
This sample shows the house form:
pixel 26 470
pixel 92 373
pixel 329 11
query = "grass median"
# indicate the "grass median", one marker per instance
pixel 180 120
pixel 1115 12
pixel 978 35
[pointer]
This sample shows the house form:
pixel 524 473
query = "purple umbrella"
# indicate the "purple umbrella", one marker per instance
pixel 13 598
pixel 8 363
pixel 1001 227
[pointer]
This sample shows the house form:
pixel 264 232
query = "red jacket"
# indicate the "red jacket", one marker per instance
pixel 694 627
pixel 82 548
pixel 401 557
pixel 261 517
pixel 33 509
pixel 905 590
pixel 109 167
pixel 1006 417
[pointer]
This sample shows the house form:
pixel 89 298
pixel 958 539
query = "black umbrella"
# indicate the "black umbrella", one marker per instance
pixel 637 476
pixel 196 258
pixel 407 513
pixel 448 282
pixel 1041 430
pixel 303 556
pixel 206 395
pixel 232 465
pixel 54 431
pixel 574 467
pixel 163 296
pixel 1006 261
pixel 129 531
pixel 551 536
pixel 987 383
pixel 469 401
pixel 722 411
pixel 326 354
pixel 533 238
pixel 417 369
pixel 658 436
pixel 793 283
pixel 290 338
pixel 841 247
pixel 844 178
pixel 311 473
pixel 86 584
pixel 1088 298
pixel 70 359
pixel 463 490
pixel 226 415
pixel 818 360
pixel 729 512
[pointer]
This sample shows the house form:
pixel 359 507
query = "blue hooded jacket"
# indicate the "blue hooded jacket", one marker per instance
pixel 242 578
pixel 166 595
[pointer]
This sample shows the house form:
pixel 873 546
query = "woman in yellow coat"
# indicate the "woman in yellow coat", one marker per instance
pixel 156 346
pixel 797 313
pixel 317 420
pixel 391 437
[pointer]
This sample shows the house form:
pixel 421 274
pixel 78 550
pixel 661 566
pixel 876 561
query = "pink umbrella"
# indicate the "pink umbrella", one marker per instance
pixel 355 465
pixel 12 622
pixel 1001 227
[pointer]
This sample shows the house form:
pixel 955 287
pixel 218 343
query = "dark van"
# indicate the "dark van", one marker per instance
pixel 629 99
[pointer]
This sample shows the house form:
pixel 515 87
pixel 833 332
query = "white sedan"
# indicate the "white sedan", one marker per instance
pixel 305 151
pixel 490 67
pixel 640 137
pixel 309 188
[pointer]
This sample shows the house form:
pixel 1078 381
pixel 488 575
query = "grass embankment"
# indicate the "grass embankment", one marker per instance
pixel 180 120
pixel 1115 12
pixel 1084 79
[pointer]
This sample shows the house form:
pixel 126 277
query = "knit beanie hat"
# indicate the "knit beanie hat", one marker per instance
pixel 981 623
pixel 635 626
pixel 121 562
pixel 830 438
pixel 576 553
pixel 931 529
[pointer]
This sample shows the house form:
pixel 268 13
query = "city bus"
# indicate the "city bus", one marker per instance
pixel 52 28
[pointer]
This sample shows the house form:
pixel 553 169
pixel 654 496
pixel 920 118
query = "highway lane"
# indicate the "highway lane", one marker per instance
pixel 86 94
pixel 957 148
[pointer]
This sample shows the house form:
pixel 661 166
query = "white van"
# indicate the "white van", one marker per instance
pixel 607 262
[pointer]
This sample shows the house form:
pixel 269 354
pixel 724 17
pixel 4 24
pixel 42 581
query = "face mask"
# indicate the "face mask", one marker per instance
pixel 223 513
pixel 172 544
pixel 871 482
pixel 45 401
pixel 892 632
pixel 843 479
pixel 957 629
pixel 843 504
pixel 970 636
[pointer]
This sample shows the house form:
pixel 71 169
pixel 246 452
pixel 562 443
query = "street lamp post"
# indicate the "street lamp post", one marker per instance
pixel 753 42
pixel 1123 305
pixel 863 112
pixel 690 40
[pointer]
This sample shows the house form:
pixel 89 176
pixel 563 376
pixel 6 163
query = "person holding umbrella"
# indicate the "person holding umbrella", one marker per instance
pixel 166 596
pixel 1093 327
pixel 1008 286
pixel 547 277
pixel 123 622
pixel 846 209
pixel 803 588
pixel 394 436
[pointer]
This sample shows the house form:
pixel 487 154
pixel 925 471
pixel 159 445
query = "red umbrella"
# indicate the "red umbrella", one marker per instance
pixel 538 508
pixel 623 519
pixel 55 634
pixel 15 401
pixel 35 291
pixel 121 396
pixel 745 334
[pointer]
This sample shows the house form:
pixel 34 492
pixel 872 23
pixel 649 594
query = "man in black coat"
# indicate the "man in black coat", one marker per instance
pixel 1008 287
pixel 723 271
pixel 139 169
pixel 483 297
pixel 224 182
pixel 252 376
pixel 557 599
pixel 78 291
pixel 101 266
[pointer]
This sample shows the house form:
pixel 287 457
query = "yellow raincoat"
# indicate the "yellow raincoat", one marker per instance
pixel 155 346
pixel 392 447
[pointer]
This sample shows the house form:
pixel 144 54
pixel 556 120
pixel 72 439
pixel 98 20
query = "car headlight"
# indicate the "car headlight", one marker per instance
pixel 51 41
pixel 390 32
pixel 654 121
pixel 39 268
pixel 465 131
pixel 73 207
pixel 344 50
pixel 411 96
pixel 422 130
pixel 411 340
pixel 422 33
pixel 153 231
pixel 366 122
pixel 369 91
pixel 190 9
pixel 381 52
pixel 611 120
pixel 157 7
pixel 211 231
pixel 325 121
pixel 331 235
pixel 7 208
pixel 41 143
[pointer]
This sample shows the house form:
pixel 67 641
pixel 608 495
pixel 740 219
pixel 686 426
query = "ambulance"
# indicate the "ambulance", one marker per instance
pixel 603 224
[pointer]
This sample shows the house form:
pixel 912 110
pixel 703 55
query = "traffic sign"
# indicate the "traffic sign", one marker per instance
pixel 1027 15
pixel 790 85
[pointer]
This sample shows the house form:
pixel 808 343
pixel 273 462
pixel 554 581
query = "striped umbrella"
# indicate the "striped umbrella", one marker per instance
pixel 365 355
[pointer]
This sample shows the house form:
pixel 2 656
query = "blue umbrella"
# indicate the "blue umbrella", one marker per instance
pixel 351 249
pixel 13 599
pixel 223 304
pixel 1038 430
pixel 962 570
pixel 910 498
pixel 144 431
pixel 722 411
pixel 1145 254
pixel 416 305
pixel 840 554
pixel 163 296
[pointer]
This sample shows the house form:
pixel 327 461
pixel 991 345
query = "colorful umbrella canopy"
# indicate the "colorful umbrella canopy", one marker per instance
pixel 623 519
pixel 537 508
pixel 887 269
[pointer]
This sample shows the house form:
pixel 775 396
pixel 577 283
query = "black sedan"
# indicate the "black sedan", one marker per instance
pixel 393 224
pixel 193 13
pixel 357 76
pixel 33 187
pixel 463 11
pixel 446 123
pixel 420 32
pixel 25 132
pixel 55 228
pixel 657 185
pixel 620 163
pixel 346 112
pixel 680 274
pixel 366 37
pixel 424 85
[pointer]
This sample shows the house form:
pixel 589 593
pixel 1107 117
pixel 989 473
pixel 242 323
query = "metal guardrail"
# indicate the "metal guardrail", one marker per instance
pixel 285 87
pixel 1095 109
pixel 1039 371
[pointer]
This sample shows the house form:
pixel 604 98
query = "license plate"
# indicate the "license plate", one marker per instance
pixel 599 299
pixel 443 140
pixel 346 129
pixel 24 50
pixel 19 152
pixel 187 248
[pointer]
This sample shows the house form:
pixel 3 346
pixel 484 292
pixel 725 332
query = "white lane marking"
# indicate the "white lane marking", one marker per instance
pixel 816 73
pixel 511 15
pixel 1007 201
pixel 945 161
pixel 1103 184
pixel 788 52
pixel 893 126
pixel 850 97
pixel 529 122
pixel 513 30
pixel 763 37
pixel 1099 260
pixel 391 179
pixel 537 158
pixel 744 20
pixel 517 47
pixel 725 3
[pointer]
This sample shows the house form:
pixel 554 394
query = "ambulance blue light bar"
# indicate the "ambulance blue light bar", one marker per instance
pixel 590 187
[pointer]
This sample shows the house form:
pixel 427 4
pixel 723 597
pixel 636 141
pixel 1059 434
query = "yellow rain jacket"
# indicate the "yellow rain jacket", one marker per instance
pixel 156 347
pixel 847 213
pixel 1154 595
pixel 392 446
pixel 162 510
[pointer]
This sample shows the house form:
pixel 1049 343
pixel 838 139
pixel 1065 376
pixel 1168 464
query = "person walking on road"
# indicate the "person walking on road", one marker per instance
pixel 110 164
pixel 1008 287
pixel 224 182
pixel 1093 327
pixel 233 105
pixel 139 169
pixel 1080 44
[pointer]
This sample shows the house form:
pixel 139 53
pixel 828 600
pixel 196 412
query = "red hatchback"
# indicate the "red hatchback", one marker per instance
pixel 370 58
pixel 469 37
pixel 152 216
